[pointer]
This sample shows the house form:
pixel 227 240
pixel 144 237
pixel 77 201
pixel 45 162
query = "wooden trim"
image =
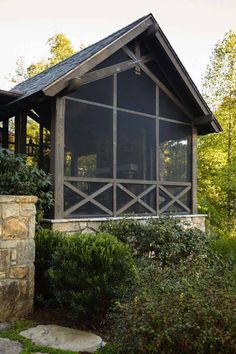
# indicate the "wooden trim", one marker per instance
pixel 57 155
pixel 87 198
pixel 175 121
pixel 136 199
pixel 182 72
pixel 194 171
pixel 111 70
pixel 175 199
pixel 159 83
pixel 59 84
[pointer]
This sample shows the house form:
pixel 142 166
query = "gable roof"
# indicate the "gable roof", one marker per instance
pixel 47 77
pixel 53 80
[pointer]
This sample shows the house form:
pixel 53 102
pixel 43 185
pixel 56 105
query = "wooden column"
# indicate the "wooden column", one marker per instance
pixel 5 133
pixel 114 144
pixel 157 148
pixel 20 133
pixel 194 171
pixel 57 156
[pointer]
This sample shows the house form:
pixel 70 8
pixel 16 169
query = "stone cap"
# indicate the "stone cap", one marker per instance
pixel 18 199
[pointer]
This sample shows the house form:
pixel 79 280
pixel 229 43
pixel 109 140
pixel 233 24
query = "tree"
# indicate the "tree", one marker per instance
pixel 217 154
pixel 60 49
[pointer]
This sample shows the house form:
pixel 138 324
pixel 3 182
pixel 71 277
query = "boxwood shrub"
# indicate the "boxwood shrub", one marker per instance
pixel 89 272
pixel 164 239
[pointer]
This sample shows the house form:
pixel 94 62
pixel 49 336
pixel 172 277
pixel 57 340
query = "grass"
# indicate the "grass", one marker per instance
pixel 28 346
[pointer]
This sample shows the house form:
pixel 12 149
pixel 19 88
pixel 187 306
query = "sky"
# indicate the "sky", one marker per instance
pixel 193 27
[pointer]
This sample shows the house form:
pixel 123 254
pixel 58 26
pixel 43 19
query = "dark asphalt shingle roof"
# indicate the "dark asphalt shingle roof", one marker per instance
pixel 48 76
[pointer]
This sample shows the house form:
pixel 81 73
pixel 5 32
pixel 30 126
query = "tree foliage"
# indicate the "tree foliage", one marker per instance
pixel 217 153
pixel 60 49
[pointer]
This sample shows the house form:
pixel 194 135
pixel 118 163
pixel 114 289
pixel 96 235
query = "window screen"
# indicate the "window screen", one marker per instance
pixel 135 147
pixel 100 91
pixel 136 92
pixel 88 140
pixel 174 152
pixel 168 109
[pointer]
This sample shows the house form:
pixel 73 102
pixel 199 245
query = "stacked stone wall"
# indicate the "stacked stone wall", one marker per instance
pixel 17 255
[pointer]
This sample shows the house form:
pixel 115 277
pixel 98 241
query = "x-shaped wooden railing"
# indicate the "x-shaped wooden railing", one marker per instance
pixel 87 198
pixel 174 198
pixel 136 199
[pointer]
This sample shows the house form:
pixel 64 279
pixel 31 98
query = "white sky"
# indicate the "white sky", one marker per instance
pixel 192 27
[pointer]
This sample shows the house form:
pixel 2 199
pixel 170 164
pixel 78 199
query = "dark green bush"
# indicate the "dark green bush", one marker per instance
pixel 185 309
pixel 90 271
pixel 164 239
pixel 46 242
pixel 18 178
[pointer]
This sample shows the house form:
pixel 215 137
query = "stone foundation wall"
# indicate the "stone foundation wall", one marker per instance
pixel 91 225
pixel 17 255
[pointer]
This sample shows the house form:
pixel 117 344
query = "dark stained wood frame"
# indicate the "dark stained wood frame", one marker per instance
pixel 114 182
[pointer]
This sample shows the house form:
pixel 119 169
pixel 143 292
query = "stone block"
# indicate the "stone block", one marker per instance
pixel 27 209
pixel 7 199
pixel 4 258
pixel 20 272
pixel 13 228
pixel 25 251
pixel 10 210
pixel 26 199
pixel 2 275
pixel 13 254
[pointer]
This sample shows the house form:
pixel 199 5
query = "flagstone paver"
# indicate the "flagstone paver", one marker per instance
pixel 8 346
pixel 58 337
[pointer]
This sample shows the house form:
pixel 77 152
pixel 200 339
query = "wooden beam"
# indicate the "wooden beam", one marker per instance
pixel 114 127
pixel 182 72
pixel 20 133
pixel 57 156
pixel 98 57
pixel 159 83
pixel 5 134
pixel 194 170
pixel 157 146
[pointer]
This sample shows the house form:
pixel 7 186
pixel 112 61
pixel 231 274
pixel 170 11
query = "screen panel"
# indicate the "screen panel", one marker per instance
pixel 168 109
pixel 136 151
pixel 175 152
pixel 136 92
pixel 88 140
pixel 100 91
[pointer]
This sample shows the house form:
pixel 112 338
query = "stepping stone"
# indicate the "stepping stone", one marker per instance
pixel 8 346
pixel 58 337
pixel 4 326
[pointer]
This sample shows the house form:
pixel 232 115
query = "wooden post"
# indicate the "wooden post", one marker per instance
pixel 57 155
pixel 114 144
pixel 194 171
pixel 20 133
pixel 41 145
pixel 5 133
pixel 157 147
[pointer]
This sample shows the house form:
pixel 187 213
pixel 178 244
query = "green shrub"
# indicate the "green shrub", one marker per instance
pixel 184 309
pixel 90 271
pixel 17 178
pixel 46 242
pixel 164 239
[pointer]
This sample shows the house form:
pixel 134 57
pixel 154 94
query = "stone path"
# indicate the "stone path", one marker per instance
pixel 8 346
pixel 58 337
